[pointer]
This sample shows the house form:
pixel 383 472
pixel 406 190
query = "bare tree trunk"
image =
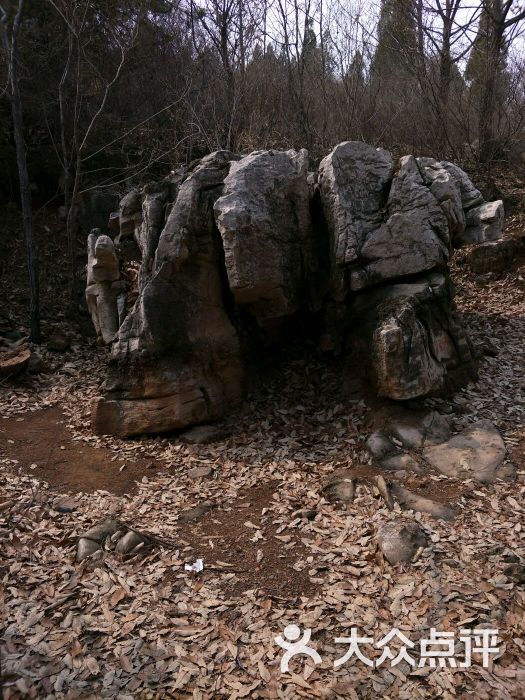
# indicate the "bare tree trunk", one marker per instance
pixel 488 142
pixel 11 53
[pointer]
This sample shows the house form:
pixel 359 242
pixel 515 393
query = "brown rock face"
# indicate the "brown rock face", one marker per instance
pixel 176 358
pixel 241 246
pixel 413 338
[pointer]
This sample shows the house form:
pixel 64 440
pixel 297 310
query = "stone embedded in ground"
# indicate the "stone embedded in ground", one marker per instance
pixel 128 542
pixel 415 429
pixel 200 473
pixel 475 453
pixel 340 488
pixel 64 505
pixel 197 512
pixel 400 540
pixel 86 547
pixel 413 501
pixel 379 445
pixel 98 533
pixel 204 434
pixel 401 460
pixel 493 256
pixel 516 572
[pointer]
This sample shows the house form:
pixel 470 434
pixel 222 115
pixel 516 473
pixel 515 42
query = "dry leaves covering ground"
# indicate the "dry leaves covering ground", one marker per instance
pixel 275 552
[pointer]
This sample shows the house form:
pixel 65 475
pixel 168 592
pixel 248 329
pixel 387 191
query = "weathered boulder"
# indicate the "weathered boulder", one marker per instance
pixel 470 195
pixel 400 540
pixel 103 285
pixel 475 453
pixel 484 223
pixel 411 339
pixel 176 358
pixel 266 230
pixel 447 191
pixel 236 247
pixel 413 239
pixel 354 180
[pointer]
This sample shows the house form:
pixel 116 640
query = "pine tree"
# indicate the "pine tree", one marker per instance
pixel 397 44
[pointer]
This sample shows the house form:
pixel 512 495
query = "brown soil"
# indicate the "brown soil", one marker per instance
pixel 43 439
pixel 222 536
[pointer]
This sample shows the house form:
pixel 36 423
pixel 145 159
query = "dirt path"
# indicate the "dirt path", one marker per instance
pixel 45 448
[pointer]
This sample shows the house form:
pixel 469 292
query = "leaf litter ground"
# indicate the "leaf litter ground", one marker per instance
pixel 275 552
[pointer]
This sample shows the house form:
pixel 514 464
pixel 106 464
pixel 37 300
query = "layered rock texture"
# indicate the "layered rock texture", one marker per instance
pixel 236 249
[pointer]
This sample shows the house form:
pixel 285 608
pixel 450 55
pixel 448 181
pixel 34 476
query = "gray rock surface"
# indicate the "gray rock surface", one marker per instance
pixel 475 453
pixel 237 253
pixel 86 547
pixel 103 285
pixel 411 339
pixel 493 256
pixel 414 501
pixel 484 223
pixel 413 239
pixel 354 180
pixel 128 542
pixel 266 230
pixel 400 540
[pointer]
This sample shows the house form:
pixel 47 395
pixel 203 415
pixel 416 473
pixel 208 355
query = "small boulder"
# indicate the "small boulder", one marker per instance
pixel 492 256
pixel 98 533
pixel 400 540
pixel 484 223
pixel 475 453
pixel 86 547
pixel 200 473
pixel 413 501
pixel 340 488
pixel 127 543
pixel 195 513
pixel 379 445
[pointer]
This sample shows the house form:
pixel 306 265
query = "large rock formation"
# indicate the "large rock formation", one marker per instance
pixel 240 244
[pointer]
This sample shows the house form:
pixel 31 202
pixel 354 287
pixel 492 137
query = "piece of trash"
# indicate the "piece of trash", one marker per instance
pixel 122 467
pixel 196 567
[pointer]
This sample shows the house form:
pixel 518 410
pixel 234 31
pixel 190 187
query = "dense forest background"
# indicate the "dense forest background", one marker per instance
pixel 102 94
